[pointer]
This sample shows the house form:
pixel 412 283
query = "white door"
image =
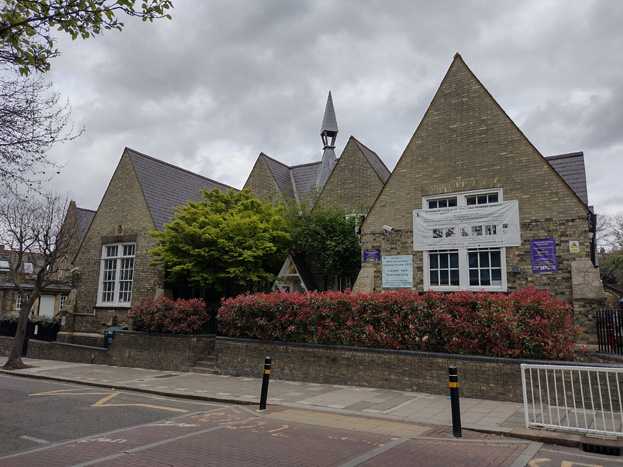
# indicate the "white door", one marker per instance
pixel 46 305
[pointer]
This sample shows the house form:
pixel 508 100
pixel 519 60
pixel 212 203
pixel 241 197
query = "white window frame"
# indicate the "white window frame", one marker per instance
pixel 18 300
pixel 463 253
pixel 61 301
pixel 115 266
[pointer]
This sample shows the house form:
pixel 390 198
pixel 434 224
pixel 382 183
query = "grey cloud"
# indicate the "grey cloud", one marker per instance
pixel 224 81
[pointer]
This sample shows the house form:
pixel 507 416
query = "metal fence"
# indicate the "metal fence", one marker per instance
pixel 610 331
pixel 575 398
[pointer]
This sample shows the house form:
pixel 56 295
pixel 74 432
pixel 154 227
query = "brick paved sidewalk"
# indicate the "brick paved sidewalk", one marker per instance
pixel 281 436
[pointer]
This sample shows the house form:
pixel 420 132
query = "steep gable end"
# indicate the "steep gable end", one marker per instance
pixel 466 142
pixel 374 160
pixel 356 180
pixel 269 179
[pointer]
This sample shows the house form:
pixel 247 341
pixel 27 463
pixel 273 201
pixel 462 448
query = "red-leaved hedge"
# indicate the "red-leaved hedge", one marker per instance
pixel 524 324
pixel 170 316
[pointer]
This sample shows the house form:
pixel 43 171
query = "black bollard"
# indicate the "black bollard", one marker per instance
pixel 454 401
pixel 265 379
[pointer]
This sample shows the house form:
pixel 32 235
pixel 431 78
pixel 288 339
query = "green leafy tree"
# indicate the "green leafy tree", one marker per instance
pixel 228 242
pixel 326 237
pixel 26 39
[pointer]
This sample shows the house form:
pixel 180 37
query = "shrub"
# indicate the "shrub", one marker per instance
pixel 9 318
pixel 45 320
pixel 35 319
pixel 524 324
pixel 170 316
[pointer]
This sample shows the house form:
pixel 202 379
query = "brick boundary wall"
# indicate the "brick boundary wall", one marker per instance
pixel 169 352
pixel 480 377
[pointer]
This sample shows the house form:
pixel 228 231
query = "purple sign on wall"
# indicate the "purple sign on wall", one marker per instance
pixel 543 254
pixel 371 255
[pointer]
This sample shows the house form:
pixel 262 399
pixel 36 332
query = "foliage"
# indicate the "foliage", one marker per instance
pixel 326 237
pixel 170 316
pixel 9 318
pixel 26 39
pixel 523 324
pixel 43 320
pixel 32 228
pixel 227 242
pixel 31 123
pixel 611 268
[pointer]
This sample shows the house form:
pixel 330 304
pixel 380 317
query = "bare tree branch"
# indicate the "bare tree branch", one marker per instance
pixel 33 229
pixel 31 123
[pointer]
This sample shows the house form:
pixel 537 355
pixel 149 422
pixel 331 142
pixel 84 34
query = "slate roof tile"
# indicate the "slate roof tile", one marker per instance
pixel 85 217
pixel 305 176
pixel 166 186
pixel 571 168
pixel 375 161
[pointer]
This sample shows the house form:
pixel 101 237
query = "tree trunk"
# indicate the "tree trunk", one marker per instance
pixel 15 357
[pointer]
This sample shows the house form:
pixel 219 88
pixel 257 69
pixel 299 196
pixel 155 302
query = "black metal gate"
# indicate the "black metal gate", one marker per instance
pixel 610 331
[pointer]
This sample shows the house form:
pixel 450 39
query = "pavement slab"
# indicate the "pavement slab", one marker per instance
pixel 502 418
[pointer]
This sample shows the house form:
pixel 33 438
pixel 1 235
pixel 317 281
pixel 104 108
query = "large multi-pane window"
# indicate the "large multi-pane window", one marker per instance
pixel 485 267
pixel 116 274
pixel 466 268
pixel 444 268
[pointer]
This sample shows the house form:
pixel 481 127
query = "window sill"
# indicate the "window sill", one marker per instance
pixel 104 306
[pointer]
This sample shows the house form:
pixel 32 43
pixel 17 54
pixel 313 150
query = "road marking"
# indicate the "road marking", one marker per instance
pixel 585 455
pixel 36 440
pixel 69 392
pixel 102 403
pixel 284 427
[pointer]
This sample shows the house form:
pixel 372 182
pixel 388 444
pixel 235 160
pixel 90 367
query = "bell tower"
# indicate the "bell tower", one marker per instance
pixel 328 133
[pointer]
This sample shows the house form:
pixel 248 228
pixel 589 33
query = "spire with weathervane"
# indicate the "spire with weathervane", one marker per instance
pixel 328 132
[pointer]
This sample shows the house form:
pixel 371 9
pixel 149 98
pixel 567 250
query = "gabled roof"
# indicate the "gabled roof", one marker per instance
pixel 305 176
pixel 299 179
pixel 375 161
pixel 281 174
pixel 571 168
pixel 166 186
pixel 85 217
pixel 463 123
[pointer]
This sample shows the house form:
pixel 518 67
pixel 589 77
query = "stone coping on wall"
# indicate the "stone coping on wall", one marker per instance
pixel 419 353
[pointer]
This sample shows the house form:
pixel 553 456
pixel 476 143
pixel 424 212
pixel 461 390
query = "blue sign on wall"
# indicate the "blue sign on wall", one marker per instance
pixel 371 255
pixel 543 253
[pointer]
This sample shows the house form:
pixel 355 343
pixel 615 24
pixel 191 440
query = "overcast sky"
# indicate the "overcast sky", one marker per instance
pixel 226 80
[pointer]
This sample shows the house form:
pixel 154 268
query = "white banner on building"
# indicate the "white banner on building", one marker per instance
pixel 477 226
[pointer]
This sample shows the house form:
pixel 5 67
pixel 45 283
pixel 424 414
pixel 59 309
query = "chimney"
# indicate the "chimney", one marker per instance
pixel 1 248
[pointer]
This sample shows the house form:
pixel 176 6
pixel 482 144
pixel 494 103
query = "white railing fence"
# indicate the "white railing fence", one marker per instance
pixel 576 398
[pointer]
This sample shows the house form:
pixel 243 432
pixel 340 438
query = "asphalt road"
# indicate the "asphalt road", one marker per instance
pixel 36 413
pixel 57 424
